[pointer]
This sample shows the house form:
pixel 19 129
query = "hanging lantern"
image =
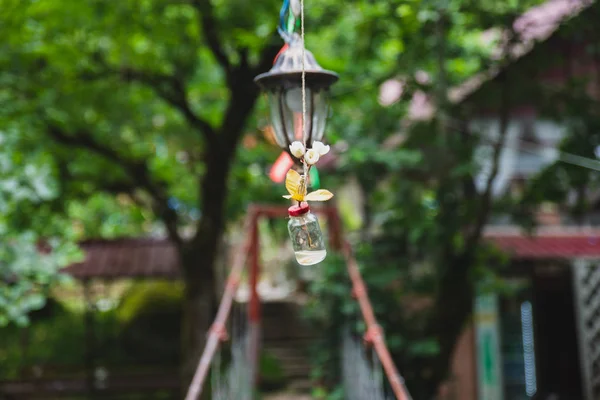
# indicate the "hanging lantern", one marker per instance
pixel 298 90
pixel 283 84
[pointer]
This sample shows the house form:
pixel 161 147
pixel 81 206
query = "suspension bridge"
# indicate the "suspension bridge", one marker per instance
pixel 367 369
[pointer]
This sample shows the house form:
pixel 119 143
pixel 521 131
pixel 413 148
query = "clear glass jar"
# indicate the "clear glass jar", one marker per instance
pixel 306 235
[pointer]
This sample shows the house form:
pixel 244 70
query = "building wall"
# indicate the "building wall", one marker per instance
pixel 462 384
pixel 464 370
pixel 530 146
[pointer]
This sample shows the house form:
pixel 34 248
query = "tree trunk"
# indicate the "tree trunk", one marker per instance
pixel 199 256
pixel 198 309
pixel 451 311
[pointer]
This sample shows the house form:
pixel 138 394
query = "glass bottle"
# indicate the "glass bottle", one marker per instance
pixel 305 232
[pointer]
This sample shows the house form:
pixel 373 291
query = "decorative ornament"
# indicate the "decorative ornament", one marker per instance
pixel 297 184
pixel 298 88
pixel 297 149
pixel 303 226
pixel 306 235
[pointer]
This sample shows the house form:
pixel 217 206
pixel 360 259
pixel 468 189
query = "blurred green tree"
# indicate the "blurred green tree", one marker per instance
pixel 423 214
pixel 27 265
pixel 134 111
pixel 140 107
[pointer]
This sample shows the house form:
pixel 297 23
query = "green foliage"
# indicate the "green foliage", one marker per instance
pixel 145 298
pixel 144 330
pixel 27 274
pixel 149 317
pixel 271 372
pixel 58 340
pixel 322 393
pixel 121 118
pixel 421 245
pixel 329 309
pixel 333 311
pixel 568 182
pixel 104 114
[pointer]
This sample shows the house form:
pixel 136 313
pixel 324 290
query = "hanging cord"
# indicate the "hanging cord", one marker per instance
pixel 567 158
pixel 304 135
pixel 537 149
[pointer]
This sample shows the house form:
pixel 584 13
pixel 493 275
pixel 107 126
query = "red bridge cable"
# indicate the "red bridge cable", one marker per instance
pixel 374 332
pixel 216 333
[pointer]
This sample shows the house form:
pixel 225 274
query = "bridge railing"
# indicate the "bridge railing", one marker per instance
pixel 249 251
pixel 217 332
pixel 374 333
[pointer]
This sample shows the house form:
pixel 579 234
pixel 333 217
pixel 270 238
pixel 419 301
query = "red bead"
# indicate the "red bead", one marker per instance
pixel 296 211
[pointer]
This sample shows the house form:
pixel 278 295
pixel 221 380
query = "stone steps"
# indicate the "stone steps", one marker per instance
pixel 287 337
pixel 300 386
pixel 286 396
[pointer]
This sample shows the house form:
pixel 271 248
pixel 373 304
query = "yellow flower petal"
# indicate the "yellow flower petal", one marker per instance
pixel 319 195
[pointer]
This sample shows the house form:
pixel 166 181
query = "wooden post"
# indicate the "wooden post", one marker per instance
pixel 254 312
pixel 24 344
pixel 89 339
pixel 334 224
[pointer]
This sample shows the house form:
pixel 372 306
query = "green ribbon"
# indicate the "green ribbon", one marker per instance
pixel 315 181
pixel 290 22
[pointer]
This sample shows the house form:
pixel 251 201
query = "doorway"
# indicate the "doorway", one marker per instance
pixel 558 367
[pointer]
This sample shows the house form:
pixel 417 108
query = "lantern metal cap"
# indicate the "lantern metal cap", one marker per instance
pixel 287 70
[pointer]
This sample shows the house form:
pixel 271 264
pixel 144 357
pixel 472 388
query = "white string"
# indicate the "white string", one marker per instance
pixel 538 149
pixel 568 158
pixel 304 135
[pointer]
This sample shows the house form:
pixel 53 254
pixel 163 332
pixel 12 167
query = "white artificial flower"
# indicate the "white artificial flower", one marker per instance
pixel 311 156
pixel 297 149
pixel 320 148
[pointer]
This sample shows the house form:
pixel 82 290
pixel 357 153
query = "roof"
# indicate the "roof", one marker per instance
pixel 126 258
pixel 548 243
pixel 534 26
pixel 158 258
pixel 539 22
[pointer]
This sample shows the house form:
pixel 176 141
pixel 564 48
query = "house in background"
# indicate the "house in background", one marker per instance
pixel 528 344
pixel 544 342
pixel 536 342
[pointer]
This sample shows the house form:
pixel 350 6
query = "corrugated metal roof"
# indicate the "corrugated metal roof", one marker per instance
pixel 126 258
pixel 558 243
pixel 158 258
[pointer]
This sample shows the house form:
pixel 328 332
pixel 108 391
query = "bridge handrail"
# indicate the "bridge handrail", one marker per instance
pixel 374 333
pixel 217 330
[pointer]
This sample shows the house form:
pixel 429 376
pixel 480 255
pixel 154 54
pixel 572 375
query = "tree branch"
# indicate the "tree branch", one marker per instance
pixel 170 88
pixel 268 53
pixel 136 170
pixel 173 91
pixel 112 186
pixel 84 140
pixel 486 198
pixel 208 26
pixel 243 95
